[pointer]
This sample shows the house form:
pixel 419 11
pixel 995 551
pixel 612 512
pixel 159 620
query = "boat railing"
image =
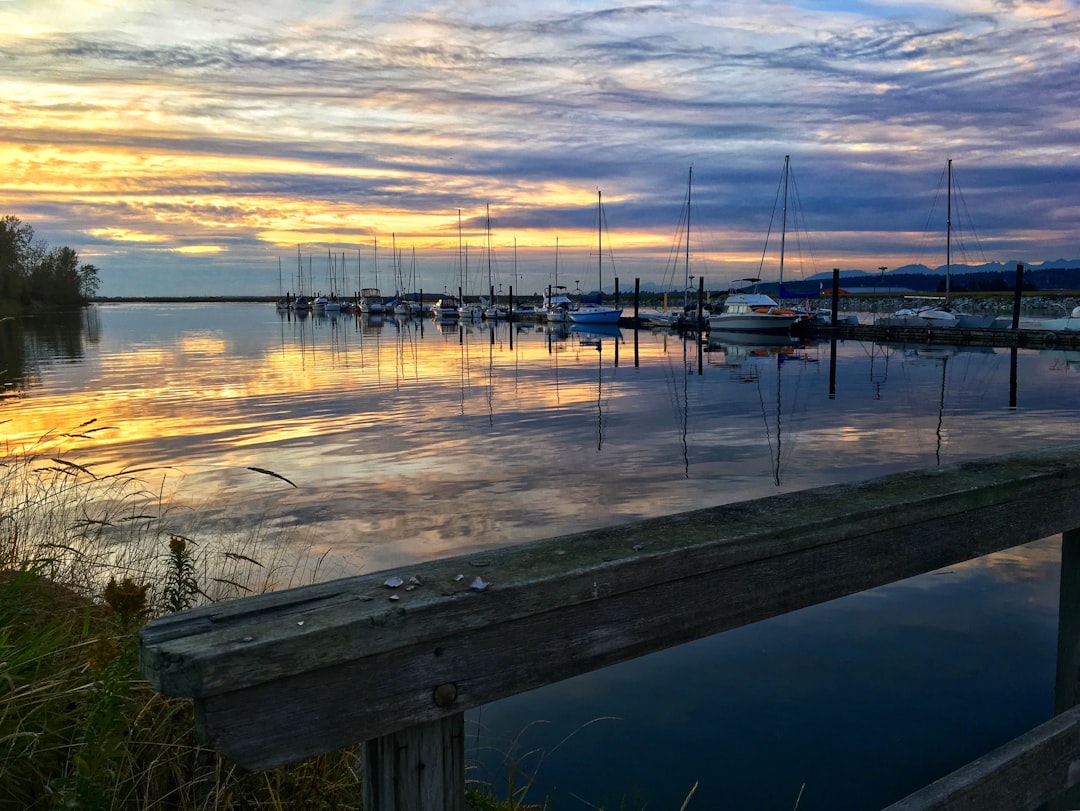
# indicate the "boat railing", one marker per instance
pixel 282 676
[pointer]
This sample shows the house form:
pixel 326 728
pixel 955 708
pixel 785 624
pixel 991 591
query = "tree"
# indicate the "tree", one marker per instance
pixel 32 273
pixel 89 281
pixel 16 242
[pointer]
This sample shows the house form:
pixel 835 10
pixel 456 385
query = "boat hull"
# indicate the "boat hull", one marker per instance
pixel 760 323
pixel 1068 324
pixel 596 315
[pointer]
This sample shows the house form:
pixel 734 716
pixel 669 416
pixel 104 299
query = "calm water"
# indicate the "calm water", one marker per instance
pixel 407 441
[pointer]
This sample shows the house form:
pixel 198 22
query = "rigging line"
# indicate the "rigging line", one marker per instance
pixel 923 249
pixel 610 250
pixel 772 220
pixel 676 250
pixel 802 230
pixel 965 215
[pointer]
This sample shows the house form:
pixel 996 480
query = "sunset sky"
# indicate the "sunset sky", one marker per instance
pixel 190 146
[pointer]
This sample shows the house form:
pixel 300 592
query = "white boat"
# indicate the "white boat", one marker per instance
pixel 934 316
pixel 664 318
pixel 446 309
pixel 598 313
pixel 754 311
pixel 371 301
pixel 524 311
pixel 556 305
pixel 1070 323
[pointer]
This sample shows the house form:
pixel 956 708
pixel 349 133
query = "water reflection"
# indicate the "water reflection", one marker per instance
pixel 28 343
pixel 410 439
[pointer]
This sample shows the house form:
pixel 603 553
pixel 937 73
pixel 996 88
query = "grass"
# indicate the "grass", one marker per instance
pixel 85 560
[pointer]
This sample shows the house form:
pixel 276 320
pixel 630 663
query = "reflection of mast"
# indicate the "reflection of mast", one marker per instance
pixel 774 457
pixel 685 411
pixel 599 395
pixel 941 409
pixel 879 376
pixel 491 375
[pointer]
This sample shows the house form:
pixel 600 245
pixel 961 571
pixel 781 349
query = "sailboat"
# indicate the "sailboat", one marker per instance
pixel 302 304
pixel 556 304
pixel 493 310
pixel 371 300
pixel 683 318
pixel 754 311
pixel 941 315
pixel 598 313
pixel 448 309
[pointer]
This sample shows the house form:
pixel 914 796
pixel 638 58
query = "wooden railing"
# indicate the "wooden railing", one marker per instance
pixel 282 676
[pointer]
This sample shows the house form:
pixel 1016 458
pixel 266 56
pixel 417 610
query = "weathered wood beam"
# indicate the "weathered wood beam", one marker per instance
pixel 417 769
pixel 1022 775
pixel 285 675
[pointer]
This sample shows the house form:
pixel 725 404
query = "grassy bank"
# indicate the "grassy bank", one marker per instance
pixel 85 561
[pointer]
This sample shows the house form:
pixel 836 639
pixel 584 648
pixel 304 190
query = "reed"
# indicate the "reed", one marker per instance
pixel 86 558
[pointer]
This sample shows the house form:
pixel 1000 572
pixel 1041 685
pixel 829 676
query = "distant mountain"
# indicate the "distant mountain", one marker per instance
pixel 957 270
pixel 994 276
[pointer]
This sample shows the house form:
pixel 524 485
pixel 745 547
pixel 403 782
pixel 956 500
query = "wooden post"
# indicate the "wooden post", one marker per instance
pixel 1017 295
pixel 700 302
pixel 1067 685
pixel 637 297
pixel 835 297
pixel 418 768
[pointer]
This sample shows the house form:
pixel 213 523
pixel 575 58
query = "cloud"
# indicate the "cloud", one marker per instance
pixel 343 121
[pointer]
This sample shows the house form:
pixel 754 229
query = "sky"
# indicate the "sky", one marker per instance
pixel 189 147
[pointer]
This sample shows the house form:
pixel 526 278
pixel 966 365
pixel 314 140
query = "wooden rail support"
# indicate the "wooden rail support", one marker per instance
pixel 282 676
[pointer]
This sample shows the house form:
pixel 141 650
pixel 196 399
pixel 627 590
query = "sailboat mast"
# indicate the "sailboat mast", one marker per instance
pixel 686 280
pixel 783 225
pixel 600 243
pixel 487 214
pixel 948 230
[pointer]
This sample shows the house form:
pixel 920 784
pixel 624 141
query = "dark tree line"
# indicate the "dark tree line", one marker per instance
pixel 33 273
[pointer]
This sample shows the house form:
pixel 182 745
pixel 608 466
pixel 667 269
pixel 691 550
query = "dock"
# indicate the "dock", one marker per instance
pixel 1025 338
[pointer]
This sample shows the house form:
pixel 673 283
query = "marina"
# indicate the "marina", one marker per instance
pixel 410 440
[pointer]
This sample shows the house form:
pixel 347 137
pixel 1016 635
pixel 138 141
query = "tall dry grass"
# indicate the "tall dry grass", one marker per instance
pixel 85 560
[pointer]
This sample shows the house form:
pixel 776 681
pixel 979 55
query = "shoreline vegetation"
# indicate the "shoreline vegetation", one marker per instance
pixel 85 561
pixel 34 275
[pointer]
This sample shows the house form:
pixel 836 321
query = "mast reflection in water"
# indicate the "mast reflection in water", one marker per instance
pixel 411 440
